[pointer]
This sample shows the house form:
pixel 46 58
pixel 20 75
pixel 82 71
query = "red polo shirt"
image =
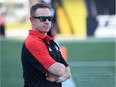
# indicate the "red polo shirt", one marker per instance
pixel 39 52
pixel 38 49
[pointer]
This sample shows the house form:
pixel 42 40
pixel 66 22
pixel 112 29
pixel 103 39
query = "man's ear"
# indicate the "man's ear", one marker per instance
pixel 31 19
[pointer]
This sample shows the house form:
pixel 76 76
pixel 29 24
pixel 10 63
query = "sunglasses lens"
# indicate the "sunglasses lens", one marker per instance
pixel 50 18
pixel 43 19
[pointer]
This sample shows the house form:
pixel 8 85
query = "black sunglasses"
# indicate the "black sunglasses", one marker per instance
pixel 44 18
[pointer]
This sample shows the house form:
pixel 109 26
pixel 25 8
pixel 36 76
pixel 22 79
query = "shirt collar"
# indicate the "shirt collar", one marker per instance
pixel 40 35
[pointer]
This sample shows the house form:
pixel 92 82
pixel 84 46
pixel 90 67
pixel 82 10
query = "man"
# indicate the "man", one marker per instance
pixel 43 65
pixel 2 26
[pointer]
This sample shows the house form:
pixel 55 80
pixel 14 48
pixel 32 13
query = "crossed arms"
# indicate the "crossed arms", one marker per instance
pixel 57 72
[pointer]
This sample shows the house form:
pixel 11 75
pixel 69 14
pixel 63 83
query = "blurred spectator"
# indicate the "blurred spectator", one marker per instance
pixel 2 26
pixel 52 32
pixel 55 4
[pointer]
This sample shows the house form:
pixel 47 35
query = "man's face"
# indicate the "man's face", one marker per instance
pixel 41 24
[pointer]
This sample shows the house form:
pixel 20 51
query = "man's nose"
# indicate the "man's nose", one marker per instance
pixel 47 21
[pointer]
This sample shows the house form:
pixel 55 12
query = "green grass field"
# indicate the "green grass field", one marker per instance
pixel 11 69
pixel 92 62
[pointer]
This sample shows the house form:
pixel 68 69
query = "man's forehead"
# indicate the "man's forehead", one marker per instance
pixel 43 12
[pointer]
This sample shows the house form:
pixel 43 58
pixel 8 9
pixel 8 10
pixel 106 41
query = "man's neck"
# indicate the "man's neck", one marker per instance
pixel 39 31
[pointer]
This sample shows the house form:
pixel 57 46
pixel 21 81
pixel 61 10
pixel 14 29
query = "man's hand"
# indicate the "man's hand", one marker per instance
pixel 66 75
pixel 51 77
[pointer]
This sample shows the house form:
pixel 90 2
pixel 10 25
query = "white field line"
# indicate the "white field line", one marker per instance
pixel 92 64
pixel 87 41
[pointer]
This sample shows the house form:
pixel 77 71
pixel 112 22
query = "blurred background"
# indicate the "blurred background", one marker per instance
pixel 86 29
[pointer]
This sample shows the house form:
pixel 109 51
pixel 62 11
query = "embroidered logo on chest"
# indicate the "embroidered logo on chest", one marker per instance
pixel 50 49
pixel 56 48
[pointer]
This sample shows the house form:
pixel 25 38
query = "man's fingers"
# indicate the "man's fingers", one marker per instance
pixel 50 79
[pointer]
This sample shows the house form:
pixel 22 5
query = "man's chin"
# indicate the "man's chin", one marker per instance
pixel 44 32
